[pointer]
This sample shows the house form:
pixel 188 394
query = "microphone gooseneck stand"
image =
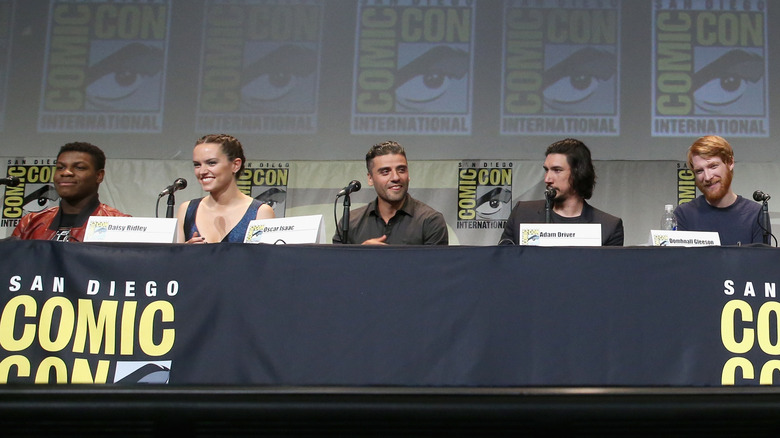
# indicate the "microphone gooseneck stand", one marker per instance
pixel 171 203
pixel 765 221
pixel 345 220
pixel 547 209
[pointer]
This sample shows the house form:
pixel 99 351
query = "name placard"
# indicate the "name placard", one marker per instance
pixel 560 234
pixel 684 238
pixel 296 229
pixel 130 229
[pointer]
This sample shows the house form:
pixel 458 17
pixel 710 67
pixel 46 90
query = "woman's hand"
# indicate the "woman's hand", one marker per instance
pixel 196 238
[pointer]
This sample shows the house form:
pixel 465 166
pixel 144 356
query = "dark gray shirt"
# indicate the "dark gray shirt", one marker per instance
pixel 414 224
pixel 739 223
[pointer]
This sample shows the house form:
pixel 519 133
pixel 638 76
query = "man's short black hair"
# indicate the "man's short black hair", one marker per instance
pixel 384 148
pixel 583 175
pixel 98 157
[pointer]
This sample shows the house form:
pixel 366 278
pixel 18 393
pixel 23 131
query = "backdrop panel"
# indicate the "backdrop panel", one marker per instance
pixel 322 79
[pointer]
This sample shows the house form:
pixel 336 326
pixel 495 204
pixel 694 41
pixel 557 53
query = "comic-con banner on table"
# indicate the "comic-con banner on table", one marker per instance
pixel 463 316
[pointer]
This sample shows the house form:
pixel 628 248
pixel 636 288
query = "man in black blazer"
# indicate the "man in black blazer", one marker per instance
pixel 570 178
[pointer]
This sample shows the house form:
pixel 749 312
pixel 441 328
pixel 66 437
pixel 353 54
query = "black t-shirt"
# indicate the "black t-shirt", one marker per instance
pixel 67 221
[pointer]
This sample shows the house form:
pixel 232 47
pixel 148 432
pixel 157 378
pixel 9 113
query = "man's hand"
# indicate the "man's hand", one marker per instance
pixel 377 241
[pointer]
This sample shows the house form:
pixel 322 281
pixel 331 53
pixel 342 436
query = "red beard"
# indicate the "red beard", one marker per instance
pixel 725 186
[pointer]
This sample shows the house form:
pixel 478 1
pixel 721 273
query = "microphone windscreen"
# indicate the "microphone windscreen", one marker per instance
pixel 760 196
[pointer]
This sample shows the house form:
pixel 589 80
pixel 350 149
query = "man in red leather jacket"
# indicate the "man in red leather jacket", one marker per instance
pixel 79 171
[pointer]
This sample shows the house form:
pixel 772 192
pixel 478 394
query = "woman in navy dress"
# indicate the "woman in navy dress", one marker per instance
pixel 223 215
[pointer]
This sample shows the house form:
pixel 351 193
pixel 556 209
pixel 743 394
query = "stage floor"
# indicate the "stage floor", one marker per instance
pixel 326 411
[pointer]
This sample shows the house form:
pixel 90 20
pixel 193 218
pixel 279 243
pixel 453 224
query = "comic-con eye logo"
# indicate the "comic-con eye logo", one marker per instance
pixel 561 68
pixel 412 67
pixel 255 233
pixel 710 69
pixel 280 80
pixel 660 240
pixel 260 66
pixel 530 237
pixel 266 183
pixel 495 203
pixel 134 372
pixel 484 193
pixel 124 76
pixel 97 230
pixel 35 191
pixel 105 66
pixel 578 83
pixel 729 84
pixel 434 81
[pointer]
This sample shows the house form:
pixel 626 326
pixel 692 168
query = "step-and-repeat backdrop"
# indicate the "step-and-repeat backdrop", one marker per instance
pixel 475 89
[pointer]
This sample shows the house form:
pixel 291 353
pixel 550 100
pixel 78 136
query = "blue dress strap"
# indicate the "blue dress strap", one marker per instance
pixel 238 232
pixel 189 219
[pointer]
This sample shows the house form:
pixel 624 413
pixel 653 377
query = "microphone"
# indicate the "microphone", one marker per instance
pixel 179 184
pixel 10 181
pixel 760 196
pixel 549 195
pixel 353 186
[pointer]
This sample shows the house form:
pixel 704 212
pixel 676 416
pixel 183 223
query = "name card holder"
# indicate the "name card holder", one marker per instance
pixel 131 229
pixel 296 229
pixel 560 234
pixel 683 238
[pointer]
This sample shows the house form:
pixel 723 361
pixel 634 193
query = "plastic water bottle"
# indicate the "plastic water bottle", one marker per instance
pixel 668 221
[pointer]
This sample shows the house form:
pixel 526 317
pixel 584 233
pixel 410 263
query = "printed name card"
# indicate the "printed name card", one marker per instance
pixel 130 229
pixel 560 234
pixel 296 229
pixel 684 238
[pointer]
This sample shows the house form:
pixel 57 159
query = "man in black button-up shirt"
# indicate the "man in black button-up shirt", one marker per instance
pixel 394 217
